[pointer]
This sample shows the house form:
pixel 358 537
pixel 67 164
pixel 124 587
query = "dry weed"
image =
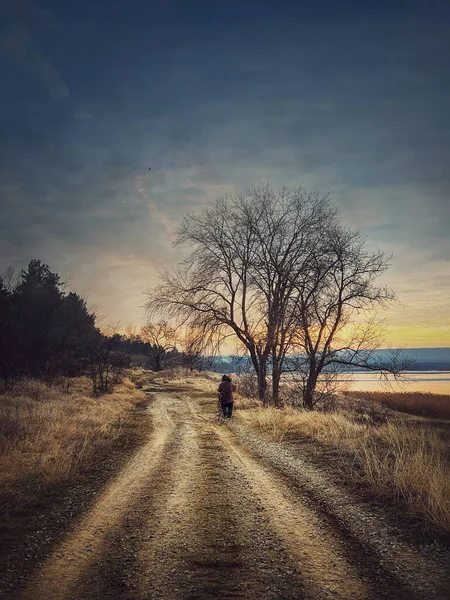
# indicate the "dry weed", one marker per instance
pixel 48 435
pixel 415 403
pixel 397 459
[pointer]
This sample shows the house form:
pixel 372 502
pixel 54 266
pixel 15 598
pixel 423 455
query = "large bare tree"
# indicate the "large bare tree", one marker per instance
pixel 247 251
pixel 276 270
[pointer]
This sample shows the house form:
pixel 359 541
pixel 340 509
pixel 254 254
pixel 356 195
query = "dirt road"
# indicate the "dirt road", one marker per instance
pixel 208 510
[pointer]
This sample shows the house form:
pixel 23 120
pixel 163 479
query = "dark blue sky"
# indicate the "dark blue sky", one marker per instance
pixel 215 96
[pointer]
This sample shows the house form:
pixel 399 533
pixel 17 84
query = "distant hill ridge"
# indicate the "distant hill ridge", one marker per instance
pixel 426 359
pixel 430 359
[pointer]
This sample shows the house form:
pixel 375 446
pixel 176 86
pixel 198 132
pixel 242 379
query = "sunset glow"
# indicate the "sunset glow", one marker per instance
pixel 104 147
pixel 418 336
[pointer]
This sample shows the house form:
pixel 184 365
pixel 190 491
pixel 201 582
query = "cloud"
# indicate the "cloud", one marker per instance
pixel 213 115
pixel 161 218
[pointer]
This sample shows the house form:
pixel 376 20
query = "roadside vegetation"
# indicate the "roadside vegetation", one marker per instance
pixel 436 406
pixel 51 433
pixel 398 457
pixel 48 334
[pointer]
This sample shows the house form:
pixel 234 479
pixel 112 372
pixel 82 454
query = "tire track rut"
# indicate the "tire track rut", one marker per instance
pixel 383 555
pixel 61 573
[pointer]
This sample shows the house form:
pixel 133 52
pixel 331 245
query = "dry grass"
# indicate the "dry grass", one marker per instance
pixel 396 459
pixel 243 403
pixel 415 403
pixel 140 377
pixel 50 434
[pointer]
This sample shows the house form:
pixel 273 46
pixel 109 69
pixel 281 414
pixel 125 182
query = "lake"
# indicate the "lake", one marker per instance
pixel 436 382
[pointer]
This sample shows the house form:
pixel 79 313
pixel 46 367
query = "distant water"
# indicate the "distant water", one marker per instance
pixel 436 382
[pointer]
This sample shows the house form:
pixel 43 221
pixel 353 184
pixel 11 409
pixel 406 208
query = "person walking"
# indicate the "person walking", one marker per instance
pixel 226 390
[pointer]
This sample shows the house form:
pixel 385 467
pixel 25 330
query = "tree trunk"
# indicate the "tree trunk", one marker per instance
pixel 308 392
pixel 158 361
pixel 262 383
pixel 260 365
pixel 276 376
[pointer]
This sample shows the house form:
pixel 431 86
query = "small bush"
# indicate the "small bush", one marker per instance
pixel 248 385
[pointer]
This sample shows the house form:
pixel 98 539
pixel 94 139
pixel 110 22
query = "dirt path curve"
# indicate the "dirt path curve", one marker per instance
pixel 199 513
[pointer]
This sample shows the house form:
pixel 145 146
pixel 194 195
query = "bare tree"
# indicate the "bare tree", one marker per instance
pixel 276 270
pixel 106 362
pixel 288 228
pixel 195 353
pixel 340 286
pixel 237 281
pixel 161 338
pixel 10 279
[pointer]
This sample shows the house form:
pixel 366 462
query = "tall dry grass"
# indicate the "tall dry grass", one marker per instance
pixel 49 434
pixel 397 460
pixel 415 403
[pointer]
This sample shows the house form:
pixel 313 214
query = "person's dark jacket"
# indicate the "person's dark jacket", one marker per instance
pixel 226 389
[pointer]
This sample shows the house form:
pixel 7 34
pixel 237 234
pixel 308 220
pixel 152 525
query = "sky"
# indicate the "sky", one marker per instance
pixel 347 97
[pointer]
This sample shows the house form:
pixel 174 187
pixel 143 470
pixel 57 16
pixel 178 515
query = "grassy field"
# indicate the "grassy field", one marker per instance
pixel 49 434
pixel 396 456
pixel 415 403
